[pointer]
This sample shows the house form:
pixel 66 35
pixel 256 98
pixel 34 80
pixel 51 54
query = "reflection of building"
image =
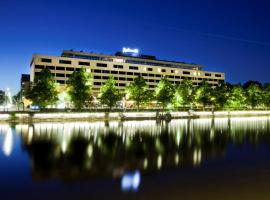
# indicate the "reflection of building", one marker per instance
pixel 90 149
pixel 81 150
pixel 124 66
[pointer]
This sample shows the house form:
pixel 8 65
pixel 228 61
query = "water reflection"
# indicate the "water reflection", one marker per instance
pixel 131 181
pixel 80 150
pixel 8 141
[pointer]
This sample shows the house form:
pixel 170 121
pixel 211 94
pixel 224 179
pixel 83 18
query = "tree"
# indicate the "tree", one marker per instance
pixel 43 91
pixel 2 97
pixel 17 99
pixel 164 92
pixel 80 88
pixel 204 95
pixel 221 94
pixel 266 95
pixel 109 93
pixel 184 94
pixel 250 82
pixel 254 95
pixel 237 98
pixel 139 92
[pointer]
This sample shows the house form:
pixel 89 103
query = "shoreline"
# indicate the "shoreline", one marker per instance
pixel 31 117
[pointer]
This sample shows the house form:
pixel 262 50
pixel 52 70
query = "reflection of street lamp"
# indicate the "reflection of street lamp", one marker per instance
pixel 8 143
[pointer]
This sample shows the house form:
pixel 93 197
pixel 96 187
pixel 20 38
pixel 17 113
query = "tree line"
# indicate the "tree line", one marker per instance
pixel 251 95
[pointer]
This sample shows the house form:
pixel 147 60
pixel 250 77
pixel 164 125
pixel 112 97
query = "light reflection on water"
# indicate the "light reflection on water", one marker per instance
pixel 128 150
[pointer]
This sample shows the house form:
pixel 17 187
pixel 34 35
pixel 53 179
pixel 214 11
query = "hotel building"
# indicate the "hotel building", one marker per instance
pixel 124 66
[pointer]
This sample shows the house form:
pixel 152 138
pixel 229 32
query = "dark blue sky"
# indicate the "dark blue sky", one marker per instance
pixel 223 35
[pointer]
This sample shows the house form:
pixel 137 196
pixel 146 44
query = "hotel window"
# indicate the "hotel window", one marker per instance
pixel 60 75
pixel 84 63
pixel 122 84
pixel 60 68
pixel 149 69
pixel 158 75
pixel 157 81
pixel 77 69
pixel 46 60
pixel 122 79
pixel 185 72
pixel 172 71
pixel 151 75
pixel 64 61
pixel 163 70
pixel 114 72
pixel 39 66
pixel 171 76
pixel 134 67
pixel 105 77
pixel 97 83
pixel 136 74
pixel 69 69
pixel 144 74
pixel 129 73
pixel 151 80
pixel 129 79
pixel 199 79
pixel 97 70
pixel 97 77
pixel 177 77
pixel 105 71
pixel 151 86
pixel 118 66
pixel 217 75
pixel 68 75
pixel 101 65
pixel 115 78
pixel 177 82
pixel 207 74
pixel 50 67
pixel 122 72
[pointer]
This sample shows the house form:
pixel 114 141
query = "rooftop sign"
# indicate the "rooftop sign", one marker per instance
pixel 129 50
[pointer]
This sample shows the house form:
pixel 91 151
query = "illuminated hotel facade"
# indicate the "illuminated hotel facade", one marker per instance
pixel 124 66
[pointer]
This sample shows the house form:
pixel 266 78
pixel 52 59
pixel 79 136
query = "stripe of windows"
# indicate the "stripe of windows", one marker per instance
pixel 132 61
pixel 115 66
pixel 67 62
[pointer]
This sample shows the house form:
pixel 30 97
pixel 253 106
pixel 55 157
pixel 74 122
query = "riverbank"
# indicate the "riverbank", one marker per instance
pixel 29 117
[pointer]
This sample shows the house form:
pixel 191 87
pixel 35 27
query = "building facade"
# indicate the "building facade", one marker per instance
pixel 123 66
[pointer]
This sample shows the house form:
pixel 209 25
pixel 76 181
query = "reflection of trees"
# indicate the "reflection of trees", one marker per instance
pixel 113 149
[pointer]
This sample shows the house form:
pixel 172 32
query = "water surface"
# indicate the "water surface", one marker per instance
pixel 184 159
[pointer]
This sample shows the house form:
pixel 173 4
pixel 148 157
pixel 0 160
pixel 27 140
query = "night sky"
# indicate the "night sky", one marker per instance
pixel 223 35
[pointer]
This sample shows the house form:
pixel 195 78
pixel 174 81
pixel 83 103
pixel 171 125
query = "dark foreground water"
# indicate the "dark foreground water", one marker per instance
pixel 183 159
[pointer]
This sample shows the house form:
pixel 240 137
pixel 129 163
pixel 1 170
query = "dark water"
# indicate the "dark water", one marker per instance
pixel 183 159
